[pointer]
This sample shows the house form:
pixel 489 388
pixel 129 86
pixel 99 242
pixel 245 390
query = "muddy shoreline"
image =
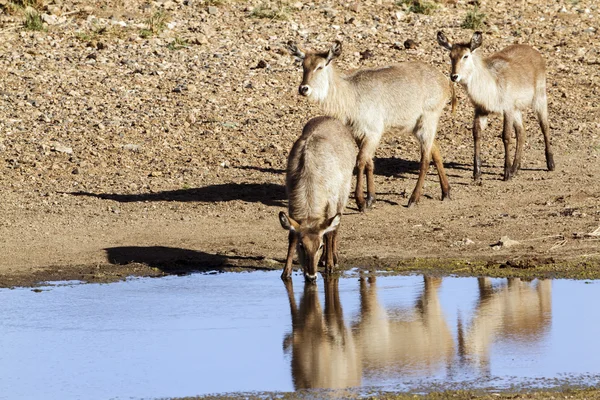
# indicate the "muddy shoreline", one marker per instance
pixel 524 268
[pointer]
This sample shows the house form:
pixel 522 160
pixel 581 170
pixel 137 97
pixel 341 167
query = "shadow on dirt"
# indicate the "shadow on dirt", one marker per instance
pixel 269 194
pixel 398 167
pixel 178 261
pixel 262 169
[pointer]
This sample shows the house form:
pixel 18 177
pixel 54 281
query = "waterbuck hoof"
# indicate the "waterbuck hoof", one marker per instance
pixel 507 174
pixel 370 201
pixel 550 162
pixel 411 203
pixel 446 197
pixel 362 205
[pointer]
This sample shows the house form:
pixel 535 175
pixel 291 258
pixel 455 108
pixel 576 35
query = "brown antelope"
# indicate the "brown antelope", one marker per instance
pixel 318 180
pixel 507 82
pixel 410 96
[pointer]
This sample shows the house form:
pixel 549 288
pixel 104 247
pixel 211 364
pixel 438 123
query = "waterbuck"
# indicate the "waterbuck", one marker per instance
pixel 410 95
pixel 506 82
pixel 318 180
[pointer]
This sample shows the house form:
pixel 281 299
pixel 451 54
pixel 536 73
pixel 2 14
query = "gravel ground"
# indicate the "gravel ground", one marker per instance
pixel 146 132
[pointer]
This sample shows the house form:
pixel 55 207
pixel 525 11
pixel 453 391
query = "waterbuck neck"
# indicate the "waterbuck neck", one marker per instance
pixel 482 86
pixel 341 97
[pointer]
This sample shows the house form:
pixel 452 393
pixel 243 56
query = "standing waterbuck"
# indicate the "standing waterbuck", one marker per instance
pixel 506 82
pixel 318 180
pixel 409 95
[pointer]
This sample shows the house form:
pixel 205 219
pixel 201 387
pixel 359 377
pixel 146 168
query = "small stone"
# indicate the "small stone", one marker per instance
pixel 410 44
pixel 505 241
pixel 365 55
pixel 59 148
pixel 54 10
pixel 298 5
pixel 132 147
pixel 261 64
pixel 50 19
pixel 155 174
pixel 212 10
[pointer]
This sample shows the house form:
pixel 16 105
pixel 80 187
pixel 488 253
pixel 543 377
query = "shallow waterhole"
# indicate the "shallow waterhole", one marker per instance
pixel 246 332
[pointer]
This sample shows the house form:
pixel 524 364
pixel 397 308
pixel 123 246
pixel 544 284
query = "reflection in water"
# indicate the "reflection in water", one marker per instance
pixel 409 340
pixel 323 350
pixel 518 310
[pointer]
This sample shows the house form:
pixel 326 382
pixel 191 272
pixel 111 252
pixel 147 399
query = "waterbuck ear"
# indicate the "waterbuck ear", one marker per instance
pixel 334 51
pixel 295 50
pixel 332 223
pixel 443 41
pixel 288 223
pixel 476 40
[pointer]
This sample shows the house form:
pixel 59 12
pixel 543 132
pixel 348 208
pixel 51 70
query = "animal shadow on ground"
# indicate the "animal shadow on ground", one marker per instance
pixel 397 167
pixel 178 261
pixel 269 194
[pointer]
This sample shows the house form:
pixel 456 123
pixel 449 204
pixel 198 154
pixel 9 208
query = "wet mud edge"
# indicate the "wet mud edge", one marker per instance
pixel 519 267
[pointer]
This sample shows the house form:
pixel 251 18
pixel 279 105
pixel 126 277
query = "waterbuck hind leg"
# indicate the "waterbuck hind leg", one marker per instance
pixel 542 116
pixel 287 270
pixel 506 133
pixel 370 183
pixel 521 137
pixel 416 194
pixel 439 165
pixel 358 192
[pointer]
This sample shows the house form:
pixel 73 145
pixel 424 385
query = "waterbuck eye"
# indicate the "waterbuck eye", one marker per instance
pixel 321 246
pixel 320 67
pixel 465 56
pixel 300 244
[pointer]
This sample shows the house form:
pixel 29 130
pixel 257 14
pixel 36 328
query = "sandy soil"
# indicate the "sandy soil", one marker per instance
pixel 123 152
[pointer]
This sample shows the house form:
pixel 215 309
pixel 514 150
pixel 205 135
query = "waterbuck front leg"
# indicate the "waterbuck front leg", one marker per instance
pixel 506 133
pixel 439 165
pixel 479 124
pixel 287 270
pixel 335 248
pixel 520 137
pixel 329 263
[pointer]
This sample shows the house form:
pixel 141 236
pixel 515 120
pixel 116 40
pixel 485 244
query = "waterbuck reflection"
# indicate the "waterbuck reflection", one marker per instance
pixel 407 340
pixel 323 351
pixel 327 354
pixel 518 310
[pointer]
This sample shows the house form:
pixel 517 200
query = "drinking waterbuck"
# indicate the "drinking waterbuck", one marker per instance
pixel 507 82
pixel 409 95
pixel 318 180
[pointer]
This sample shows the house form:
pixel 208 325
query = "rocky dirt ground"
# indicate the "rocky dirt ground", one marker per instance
pixel 138 135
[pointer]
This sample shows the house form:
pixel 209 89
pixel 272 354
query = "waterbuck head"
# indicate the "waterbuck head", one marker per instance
pixel 309 240
pixel 317 70
pixel 461 56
